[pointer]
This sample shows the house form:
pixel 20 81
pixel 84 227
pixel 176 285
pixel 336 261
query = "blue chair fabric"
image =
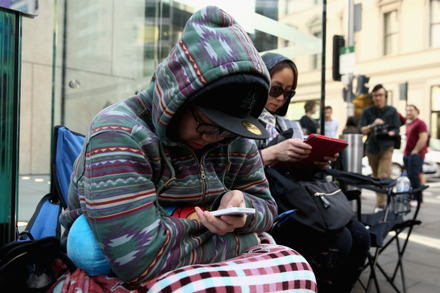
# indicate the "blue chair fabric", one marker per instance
pixel 45 219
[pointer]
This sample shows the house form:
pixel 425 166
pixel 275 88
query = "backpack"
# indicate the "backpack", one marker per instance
pixel 27 266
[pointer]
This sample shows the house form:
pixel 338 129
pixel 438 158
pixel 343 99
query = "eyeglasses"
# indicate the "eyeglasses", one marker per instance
pixel 204 128
pixel 276 91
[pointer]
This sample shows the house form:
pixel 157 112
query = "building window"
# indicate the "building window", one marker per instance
pixel 434 21
pixel 390 32
pixel 316 59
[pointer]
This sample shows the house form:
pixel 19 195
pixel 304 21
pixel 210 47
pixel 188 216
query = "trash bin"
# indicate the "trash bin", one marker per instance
pixel 352 155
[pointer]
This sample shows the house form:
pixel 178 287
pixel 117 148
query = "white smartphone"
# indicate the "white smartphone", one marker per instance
pixel 233 211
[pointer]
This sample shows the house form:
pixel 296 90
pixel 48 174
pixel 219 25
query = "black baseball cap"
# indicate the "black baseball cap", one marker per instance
pixel 234 103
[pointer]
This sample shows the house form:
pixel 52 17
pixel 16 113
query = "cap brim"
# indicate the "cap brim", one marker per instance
pixel 248 127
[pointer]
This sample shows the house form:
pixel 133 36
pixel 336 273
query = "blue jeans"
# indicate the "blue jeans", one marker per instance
pixel 414 166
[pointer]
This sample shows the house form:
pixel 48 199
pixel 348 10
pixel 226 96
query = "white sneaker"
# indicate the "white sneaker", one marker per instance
pixel 378 209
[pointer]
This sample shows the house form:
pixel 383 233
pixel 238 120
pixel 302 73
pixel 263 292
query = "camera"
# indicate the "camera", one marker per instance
pixel 380 131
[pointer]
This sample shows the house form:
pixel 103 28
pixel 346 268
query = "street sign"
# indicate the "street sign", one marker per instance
pixel 347 60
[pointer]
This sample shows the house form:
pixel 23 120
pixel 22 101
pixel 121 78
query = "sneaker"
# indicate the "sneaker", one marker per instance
pixel 413 203
pixel 378 209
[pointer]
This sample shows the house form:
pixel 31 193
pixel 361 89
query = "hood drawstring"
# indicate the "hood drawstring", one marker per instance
pixel 160 186
pixel 227 167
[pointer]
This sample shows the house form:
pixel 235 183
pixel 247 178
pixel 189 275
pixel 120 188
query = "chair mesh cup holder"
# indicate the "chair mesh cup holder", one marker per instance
pixel 400 203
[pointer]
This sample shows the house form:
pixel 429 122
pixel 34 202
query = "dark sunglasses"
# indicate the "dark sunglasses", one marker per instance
pixel 204 128
pixel 276 91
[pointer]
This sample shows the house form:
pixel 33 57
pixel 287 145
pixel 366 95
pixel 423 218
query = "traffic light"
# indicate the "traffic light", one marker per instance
pixel 362 82
pixel 338 43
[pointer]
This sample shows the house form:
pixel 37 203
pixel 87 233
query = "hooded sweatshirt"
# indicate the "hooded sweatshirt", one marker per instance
pixel 129 169
pixel 276 123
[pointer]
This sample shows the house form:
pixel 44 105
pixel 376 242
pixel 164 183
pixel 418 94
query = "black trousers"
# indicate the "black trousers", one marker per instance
pixel 337 258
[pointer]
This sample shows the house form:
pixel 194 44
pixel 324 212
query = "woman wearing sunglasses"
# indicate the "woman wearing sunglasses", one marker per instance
pixel 284 78
pixel 336 259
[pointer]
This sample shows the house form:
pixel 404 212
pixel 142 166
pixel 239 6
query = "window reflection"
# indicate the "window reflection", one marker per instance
pixel 112 50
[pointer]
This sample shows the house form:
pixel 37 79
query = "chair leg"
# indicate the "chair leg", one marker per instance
pixel 389 280
pixel 372 261
pixel 399 265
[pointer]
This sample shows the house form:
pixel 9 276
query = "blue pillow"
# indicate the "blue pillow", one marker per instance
pixel 83 249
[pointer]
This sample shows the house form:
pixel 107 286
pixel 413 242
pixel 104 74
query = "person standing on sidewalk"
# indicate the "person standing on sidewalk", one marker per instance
pixel 380 122
pixel 331 125
pixel 415 149
pixel 307 122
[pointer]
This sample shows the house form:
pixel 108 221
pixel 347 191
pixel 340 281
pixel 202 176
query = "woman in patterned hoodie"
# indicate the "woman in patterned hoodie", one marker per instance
pixel 182 148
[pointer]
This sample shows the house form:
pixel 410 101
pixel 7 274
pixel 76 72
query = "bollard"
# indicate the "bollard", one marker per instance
pixel 352 155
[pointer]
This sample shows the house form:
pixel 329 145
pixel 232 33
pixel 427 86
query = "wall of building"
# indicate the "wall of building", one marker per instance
pixel 414 62
pixel 36 90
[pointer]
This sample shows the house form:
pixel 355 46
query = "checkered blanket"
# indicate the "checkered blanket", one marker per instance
pixel 263 268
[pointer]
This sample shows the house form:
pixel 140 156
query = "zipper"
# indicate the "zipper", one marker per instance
pixel 203 177
pixel 201 170
pixel 325 201
pixel 324 193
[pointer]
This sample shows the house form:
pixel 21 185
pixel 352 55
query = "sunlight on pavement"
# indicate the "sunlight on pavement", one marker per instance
pixel 22 224
pixel 422 240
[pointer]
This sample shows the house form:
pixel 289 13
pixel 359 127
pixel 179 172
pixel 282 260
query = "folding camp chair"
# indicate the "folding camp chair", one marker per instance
pixel 396 218
pixel 385 226
pixel 44 222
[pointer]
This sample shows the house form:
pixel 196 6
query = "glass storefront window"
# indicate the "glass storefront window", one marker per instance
pixel 111 51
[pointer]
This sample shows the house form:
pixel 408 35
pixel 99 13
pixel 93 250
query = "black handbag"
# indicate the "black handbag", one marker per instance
pixel 320 205
pixel 26 265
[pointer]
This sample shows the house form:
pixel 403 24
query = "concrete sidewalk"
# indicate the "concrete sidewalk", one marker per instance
pixel 421 259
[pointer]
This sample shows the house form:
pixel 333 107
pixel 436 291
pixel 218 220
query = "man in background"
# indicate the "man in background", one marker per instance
pixel 381 123
pixel 415 149
pixel 331 125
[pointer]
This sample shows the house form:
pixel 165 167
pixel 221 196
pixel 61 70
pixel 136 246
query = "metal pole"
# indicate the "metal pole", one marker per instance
pixel 324 28
pixel 350 43
pixel 350 24
pixel 63 67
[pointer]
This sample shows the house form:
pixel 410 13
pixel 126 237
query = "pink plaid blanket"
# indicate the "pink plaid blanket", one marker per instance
pixel 263 268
